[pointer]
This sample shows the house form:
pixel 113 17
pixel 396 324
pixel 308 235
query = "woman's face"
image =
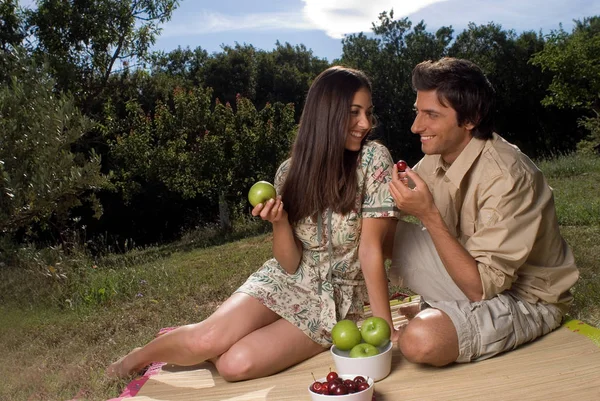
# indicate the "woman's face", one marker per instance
pixel 361 119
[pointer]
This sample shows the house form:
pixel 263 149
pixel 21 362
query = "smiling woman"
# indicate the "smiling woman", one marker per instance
pixel 329 224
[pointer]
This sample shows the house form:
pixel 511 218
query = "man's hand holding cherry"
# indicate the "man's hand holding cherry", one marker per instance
pixel 417 201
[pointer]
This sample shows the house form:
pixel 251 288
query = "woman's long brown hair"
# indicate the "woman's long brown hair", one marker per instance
pixel 322 173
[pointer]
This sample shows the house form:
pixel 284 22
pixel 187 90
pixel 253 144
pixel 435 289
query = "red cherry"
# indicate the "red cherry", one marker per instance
pixel 331 376
pixel 317 387
pixel 401 165
pixel 332 386
pixel 359 379
pixel 340 390
pixel 350 385
pixel 363 386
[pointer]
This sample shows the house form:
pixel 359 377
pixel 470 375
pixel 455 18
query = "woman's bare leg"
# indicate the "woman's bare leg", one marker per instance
pixel 266 351
pixel 188 345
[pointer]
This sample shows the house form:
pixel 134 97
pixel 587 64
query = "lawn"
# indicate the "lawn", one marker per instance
pixel 64 318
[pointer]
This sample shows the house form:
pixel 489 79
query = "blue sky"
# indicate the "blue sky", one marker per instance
pixel 320 24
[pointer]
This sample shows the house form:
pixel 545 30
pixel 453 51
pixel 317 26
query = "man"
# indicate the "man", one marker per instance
pixel 488 259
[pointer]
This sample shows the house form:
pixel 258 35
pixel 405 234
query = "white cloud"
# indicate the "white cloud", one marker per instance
pixel 338 18
pixel 204 22
pixel 332 16
pixel 511 14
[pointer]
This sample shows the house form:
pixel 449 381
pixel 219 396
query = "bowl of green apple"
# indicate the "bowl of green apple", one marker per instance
pixel 365 351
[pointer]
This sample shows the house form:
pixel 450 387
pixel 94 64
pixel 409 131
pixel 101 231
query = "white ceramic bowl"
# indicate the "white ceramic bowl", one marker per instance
pixel 365 395
pixel 376 367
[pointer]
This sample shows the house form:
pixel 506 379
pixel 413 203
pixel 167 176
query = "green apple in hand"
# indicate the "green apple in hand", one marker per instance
pixel 376 331
pixel 363 350
pixel 345 335
pixel 261 192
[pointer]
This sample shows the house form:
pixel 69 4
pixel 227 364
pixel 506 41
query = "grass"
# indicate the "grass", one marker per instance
pixel 64 318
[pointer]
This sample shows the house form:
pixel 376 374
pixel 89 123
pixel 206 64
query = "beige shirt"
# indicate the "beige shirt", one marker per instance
pixel 498 204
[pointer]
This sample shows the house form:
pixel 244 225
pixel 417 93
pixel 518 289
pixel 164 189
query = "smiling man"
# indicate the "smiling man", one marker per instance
pixel 488 259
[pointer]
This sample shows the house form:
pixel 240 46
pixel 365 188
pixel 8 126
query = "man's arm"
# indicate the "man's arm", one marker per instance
pixel 459 263
pixel 511 210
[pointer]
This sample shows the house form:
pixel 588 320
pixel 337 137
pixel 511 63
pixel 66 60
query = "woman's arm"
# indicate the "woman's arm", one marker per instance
pixel 371 257
pixel 287 249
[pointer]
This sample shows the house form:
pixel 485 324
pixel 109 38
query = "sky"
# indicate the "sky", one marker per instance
pixel 320 25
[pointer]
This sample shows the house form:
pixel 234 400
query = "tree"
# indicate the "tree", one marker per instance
pixel 285 74
pixel 574 60
pixel 11 25
pixel 85 41
pixel 42 181
pixel 232 72
pixel 185 67
pixel 188 149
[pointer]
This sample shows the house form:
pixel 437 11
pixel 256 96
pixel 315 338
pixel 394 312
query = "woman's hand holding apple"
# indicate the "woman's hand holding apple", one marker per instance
pixel 272 210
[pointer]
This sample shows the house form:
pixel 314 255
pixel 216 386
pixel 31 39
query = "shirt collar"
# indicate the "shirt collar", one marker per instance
pixel 457 170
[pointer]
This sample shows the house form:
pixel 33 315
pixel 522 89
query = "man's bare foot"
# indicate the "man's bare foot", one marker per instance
pixel 122 368
pixel 409 311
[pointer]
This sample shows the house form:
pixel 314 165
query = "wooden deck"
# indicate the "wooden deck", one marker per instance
pixel 562 365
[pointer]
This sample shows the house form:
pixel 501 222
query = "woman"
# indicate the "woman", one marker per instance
pixel 329 225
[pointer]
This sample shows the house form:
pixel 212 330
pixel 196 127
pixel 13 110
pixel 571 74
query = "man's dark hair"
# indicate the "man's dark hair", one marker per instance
pixel 462 85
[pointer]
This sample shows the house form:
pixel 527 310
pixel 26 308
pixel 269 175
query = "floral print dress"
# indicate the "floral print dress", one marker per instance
pixel 328 285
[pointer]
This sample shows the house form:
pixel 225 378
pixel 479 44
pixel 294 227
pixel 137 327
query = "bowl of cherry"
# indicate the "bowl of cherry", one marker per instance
pixel 342 387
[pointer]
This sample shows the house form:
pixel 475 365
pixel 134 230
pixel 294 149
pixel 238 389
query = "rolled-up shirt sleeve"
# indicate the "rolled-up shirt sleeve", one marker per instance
pixel 505 231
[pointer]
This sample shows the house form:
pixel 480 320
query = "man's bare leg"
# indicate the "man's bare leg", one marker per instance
pixel 430 338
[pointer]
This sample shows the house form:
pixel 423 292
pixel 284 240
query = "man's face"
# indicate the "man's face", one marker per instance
pixel 438 127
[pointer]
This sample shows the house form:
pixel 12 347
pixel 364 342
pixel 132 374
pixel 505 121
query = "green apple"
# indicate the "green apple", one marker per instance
pixel 261 192
pixel 345 335
pixel 363 350
pixel 376 331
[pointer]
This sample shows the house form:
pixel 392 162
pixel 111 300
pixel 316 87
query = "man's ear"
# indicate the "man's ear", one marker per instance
pixel 469 125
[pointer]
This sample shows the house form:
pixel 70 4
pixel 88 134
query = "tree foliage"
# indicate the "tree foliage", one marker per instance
pixel 196 149
pixel 85 41
pixel 573 60
pixel 11 25
pixel 41 179
pixel 180 136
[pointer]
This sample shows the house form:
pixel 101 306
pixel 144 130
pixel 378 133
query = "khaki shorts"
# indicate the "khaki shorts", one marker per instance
pixel 485 328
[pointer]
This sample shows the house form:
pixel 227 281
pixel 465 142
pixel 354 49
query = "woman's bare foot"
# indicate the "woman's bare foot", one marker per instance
pixel 122 367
